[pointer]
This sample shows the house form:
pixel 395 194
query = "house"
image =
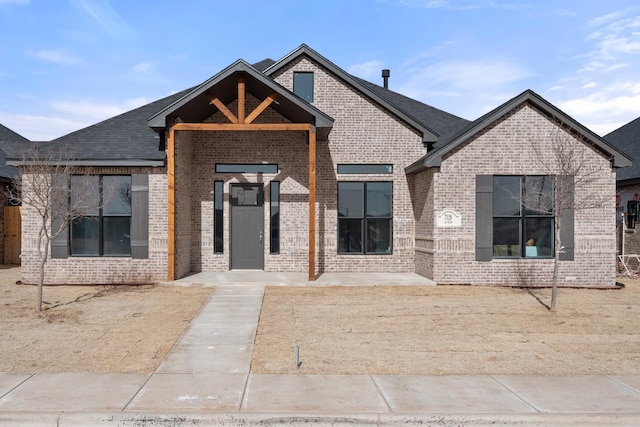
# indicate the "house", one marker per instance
pixel 627 140
pixel 295 165
pixel 9 242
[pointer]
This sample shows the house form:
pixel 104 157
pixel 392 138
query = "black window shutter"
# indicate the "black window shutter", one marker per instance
pixel 567 186
pixel 484 217
pixel 140 216
pixel 59 197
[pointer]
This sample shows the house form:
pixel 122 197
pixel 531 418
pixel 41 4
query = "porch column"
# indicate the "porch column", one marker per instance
pixel 312 205
pixel 171 204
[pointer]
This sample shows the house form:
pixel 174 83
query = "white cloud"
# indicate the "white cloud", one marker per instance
pixel 606 109
pixel 39 127
pixel 604 93
pixel 90 111
pixel 142 67
pixel 367 70
pixel 462 78
pixel 63 117
pixel 57 56
pixel 102 12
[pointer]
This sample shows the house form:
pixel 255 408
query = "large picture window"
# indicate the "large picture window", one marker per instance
pixel 106 229
pixel 365 217
pixel 523 216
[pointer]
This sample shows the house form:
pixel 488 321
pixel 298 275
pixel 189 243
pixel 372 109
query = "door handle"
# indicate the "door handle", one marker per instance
pixel 260 236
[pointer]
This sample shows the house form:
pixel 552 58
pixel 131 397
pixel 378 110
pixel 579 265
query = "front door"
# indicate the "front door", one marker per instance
pixel 247 226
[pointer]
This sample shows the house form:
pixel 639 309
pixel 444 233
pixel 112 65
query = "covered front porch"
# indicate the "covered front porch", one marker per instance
pixel 237 147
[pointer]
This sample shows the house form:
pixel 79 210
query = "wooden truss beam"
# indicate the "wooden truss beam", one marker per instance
pixel 223 109
pixel 260 108
pixel 243 126
pixel 241 98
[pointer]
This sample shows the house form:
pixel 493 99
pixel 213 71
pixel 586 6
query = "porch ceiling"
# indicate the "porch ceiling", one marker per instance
pixel 196 106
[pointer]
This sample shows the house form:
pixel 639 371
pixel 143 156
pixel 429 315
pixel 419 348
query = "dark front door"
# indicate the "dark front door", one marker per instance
pixel 247 226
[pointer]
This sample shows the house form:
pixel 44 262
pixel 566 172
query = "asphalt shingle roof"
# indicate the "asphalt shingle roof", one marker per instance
pixel 123 137
pixel 627 140
pixel 438 120
pixel 8 139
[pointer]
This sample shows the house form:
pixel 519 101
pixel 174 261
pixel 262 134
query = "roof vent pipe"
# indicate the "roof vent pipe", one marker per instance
pixel 385 78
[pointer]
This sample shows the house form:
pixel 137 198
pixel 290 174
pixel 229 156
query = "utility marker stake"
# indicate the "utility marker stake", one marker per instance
pixel 297 357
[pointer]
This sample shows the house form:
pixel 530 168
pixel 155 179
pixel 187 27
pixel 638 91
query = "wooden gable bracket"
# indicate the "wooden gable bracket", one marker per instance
pixel 260 108
pixel 223 109
pixel 241 118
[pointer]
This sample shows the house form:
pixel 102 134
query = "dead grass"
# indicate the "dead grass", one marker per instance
pixel 447 330
pixel 91 328
pixel 340 330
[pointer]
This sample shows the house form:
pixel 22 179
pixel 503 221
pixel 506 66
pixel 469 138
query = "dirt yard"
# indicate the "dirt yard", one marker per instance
pixel 448 330
pixel 91 328
pixel 339 330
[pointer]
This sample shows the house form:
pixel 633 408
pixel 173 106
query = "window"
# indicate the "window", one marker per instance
pixel 218 224
pixel 106 229
pixel 523 216
pixel 274 191
pixel 246 168
pixel 365 217
pixel 303 85
pixel 364 169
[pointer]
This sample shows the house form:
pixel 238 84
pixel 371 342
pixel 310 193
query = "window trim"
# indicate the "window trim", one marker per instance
pixel 364 169
pixel 218 217
pixel 364 219
pixel 274 223
pixel 246 168
pixel 308 97
pixel 100 217
pixel 522 219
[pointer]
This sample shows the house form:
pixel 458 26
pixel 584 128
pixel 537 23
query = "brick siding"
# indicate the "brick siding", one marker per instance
pixel 102 270
pixel 506 148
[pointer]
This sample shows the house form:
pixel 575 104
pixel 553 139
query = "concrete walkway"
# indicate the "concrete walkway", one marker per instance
pixel 206 380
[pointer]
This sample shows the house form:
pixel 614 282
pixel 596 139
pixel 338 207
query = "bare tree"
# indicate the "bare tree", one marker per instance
pixel 46 189
pixel 574 173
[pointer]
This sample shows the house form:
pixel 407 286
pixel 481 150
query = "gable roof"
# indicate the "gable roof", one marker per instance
pixel 627 139
pixel 8 139
pixel 195 106
pixel 434 158
pixel 7 134
pixel 123 140
pixel 393 102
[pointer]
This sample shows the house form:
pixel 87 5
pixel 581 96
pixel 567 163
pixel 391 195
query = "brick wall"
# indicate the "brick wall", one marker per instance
pixel 362 133
pixel 423 195
pixel 183 206
pixel 103 270
pixel 506 148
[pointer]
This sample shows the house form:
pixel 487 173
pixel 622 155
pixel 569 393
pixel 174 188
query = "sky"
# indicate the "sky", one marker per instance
pixel 68 64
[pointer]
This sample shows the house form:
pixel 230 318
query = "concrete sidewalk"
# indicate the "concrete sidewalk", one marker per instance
pixel 206 380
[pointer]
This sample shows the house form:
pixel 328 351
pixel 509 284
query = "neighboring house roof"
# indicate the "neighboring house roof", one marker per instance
pixel 7 134
pixel 627 139
pixel 196 106
pixel 8 139
pixel 426 124
pixel 435 157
